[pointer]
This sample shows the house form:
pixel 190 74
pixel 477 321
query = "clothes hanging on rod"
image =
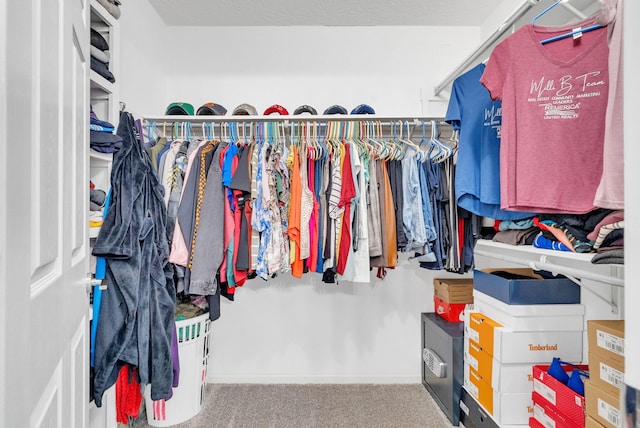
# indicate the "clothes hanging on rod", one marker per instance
pixel 554 99
pixel 478 119
pixel 330 198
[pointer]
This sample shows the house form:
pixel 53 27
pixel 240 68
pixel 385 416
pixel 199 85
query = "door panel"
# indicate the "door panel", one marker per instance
pixel 43 213
pixel 45 119
pixel 48 411
pixel 78 149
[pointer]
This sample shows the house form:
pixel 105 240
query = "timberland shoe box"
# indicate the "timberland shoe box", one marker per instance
pixel 502 377
pixel 453 290
pixel 559 317
pixel 505 408
pixel 521 347
pixel 481 329
pixel 535 290
pixel 602 406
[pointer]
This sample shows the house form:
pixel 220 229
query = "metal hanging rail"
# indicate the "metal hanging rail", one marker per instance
pixel 296 118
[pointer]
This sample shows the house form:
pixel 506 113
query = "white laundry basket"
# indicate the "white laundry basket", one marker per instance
pixel 187 399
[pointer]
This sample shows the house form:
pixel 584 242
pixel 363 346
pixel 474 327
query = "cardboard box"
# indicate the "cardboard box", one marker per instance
pixel 454 290
pixel 508 378
pixel 607 337
pixel 531 317
pixel 452 312
pixel 602 406
pixel 534 291
pixel 560 397
pixel 519 347
pixel 505 408
pixel 592 423
pixel 605 373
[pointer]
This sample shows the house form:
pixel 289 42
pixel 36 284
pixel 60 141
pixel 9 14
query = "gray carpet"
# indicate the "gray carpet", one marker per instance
pixel 283 406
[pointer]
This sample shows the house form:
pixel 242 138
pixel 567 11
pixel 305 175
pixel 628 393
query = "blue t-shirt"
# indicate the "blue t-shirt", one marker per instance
pixel 478 119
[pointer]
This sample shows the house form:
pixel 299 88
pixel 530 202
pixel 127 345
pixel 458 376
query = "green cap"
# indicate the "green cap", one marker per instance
pixel 180 109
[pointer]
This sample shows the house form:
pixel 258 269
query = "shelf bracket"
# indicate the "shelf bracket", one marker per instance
pixel 611 301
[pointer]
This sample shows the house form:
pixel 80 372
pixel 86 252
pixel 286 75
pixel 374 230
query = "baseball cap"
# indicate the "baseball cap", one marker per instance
pixel 363 109
pixel 211 109
pixel 184 109
pixel 305 109
pixel 336 109
pixel 245 110
pixel 276 108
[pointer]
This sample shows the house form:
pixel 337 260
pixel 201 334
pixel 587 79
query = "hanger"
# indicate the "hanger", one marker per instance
pixel 535 18
pixel 443 151
pixel 407 141
pixel 565 35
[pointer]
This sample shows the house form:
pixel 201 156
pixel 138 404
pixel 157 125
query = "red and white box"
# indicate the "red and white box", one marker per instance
pixel 548 416
pixel 562 399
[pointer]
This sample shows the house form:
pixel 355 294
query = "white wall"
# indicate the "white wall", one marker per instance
pixel 287 330
pixel 143 58
pixel 394 69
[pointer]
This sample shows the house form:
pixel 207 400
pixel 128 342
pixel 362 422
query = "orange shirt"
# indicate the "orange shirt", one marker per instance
pixel 295 210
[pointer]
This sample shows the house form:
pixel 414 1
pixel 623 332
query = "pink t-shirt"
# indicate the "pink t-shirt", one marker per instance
pixel 554 98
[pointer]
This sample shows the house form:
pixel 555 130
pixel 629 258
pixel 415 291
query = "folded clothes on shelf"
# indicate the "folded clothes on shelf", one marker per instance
pixel 112 6
pixel 100 55
pixel 102 69
pixel 99 41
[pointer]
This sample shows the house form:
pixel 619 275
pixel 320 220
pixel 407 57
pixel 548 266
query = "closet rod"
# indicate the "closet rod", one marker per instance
pixel 416 120
pixel 475 55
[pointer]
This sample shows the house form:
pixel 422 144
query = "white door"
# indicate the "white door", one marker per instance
pixel 43 213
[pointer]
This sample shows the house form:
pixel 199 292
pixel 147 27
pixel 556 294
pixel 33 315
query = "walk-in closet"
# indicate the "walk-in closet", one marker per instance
pixel 284 202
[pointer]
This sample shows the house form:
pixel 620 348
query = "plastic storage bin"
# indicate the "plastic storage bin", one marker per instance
pixel 193 351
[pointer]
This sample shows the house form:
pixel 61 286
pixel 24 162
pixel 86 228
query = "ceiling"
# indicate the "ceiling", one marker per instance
pixel 324 12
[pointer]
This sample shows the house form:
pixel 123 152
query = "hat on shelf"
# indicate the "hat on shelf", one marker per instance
pixel 305 109
pixel 211 109
pixel 180 109
pixel 276 108
pixel 363 109
pixel 245 110
pixel 336 109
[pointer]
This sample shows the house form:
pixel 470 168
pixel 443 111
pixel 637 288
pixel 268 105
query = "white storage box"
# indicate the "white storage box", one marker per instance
pixel 521 347
pixel 568 317
pixel 507 378
pixel 504 407
pixel 187 399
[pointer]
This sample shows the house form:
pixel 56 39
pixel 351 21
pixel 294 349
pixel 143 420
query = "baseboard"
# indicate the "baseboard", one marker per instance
pixel 312 379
